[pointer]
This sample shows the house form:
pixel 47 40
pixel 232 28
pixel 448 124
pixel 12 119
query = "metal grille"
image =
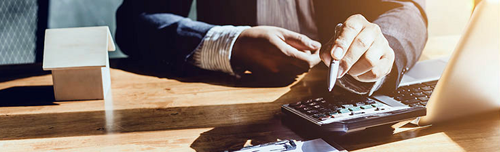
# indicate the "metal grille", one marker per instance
pixel 18 25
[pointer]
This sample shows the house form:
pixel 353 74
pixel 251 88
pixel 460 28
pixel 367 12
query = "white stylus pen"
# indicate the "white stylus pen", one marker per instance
pixel 334 65
pixel 332 74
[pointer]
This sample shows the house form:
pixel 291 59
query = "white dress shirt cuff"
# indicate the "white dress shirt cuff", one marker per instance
pixel 214 51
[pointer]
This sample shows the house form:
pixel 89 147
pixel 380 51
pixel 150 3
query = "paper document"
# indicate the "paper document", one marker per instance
pixel 294 146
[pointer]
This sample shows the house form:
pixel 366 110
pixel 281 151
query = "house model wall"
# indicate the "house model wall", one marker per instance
pixel 78 59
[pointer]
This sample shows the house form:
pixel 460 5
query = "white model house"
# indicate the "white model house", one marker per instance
pixel 78 58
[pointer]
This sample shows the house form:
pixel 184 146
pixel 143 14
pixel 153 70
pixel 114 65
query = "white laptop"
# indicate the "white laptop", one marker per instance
pixel 470 82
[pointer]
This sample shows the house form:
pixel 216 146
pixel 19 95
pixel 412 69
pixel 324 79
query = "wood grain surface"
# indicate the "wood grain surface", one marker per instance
pixel 209 113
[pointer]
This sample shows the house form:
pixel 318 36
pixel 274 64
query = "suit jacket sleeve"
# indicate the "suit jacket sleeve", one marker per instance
pixel 405 28
pixel 158 30
pixel 403 23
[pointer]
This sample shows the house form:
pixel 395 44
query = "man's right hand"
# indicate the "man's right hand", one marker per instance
pixel 273 50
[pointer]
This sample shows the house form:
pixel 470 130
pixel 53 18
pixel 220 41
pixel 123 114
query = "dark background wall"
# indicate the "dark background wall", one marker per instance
pixel 79 13
pixel 23 24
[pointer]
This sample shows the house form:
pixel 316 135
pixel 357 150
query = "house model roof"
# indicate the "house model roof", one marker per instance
pixel 69 48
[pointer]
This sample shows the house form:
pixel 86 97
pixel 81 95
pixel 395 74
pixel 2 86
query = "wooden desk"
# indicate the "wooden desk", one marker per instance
pixel 165 114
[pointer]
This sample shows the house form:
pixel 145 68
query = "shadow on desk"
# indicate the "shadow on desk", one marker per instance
pixel 194 74
pixel 27 96
pixel 12 72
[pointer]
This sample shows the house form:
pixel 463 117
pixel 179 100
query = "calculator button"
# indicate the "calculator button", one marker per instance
pixel 357 113
pixel 344 111
pixel 424 103
pixel 318 99
pixel 366 107
pixel 319 115
pixel 402 98
pixel 426 88
pixel 306 109
pixel 349 106
pixel 423 98
pixel 325 118
pixel 428 93
pixel 300 107
pixel 332 113
pixel 418 94
pixel 312 111
pixel 360 103
pixel 415 90
pixel 411 101
pixel 415 105
pixel 308 101
pixel 313 104
pixel 355 109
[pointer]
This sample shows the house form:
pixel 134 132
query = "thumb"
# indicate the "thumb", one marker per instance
pixel 325 53
pixel 300 41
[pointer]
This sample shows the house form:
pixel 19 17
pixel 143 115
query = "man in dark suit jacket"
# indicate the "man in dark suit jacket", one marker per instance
pixel 380 40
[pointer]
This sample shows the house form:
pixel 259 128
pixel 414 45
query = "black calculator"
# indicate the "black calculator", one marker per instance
pixel 347 112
